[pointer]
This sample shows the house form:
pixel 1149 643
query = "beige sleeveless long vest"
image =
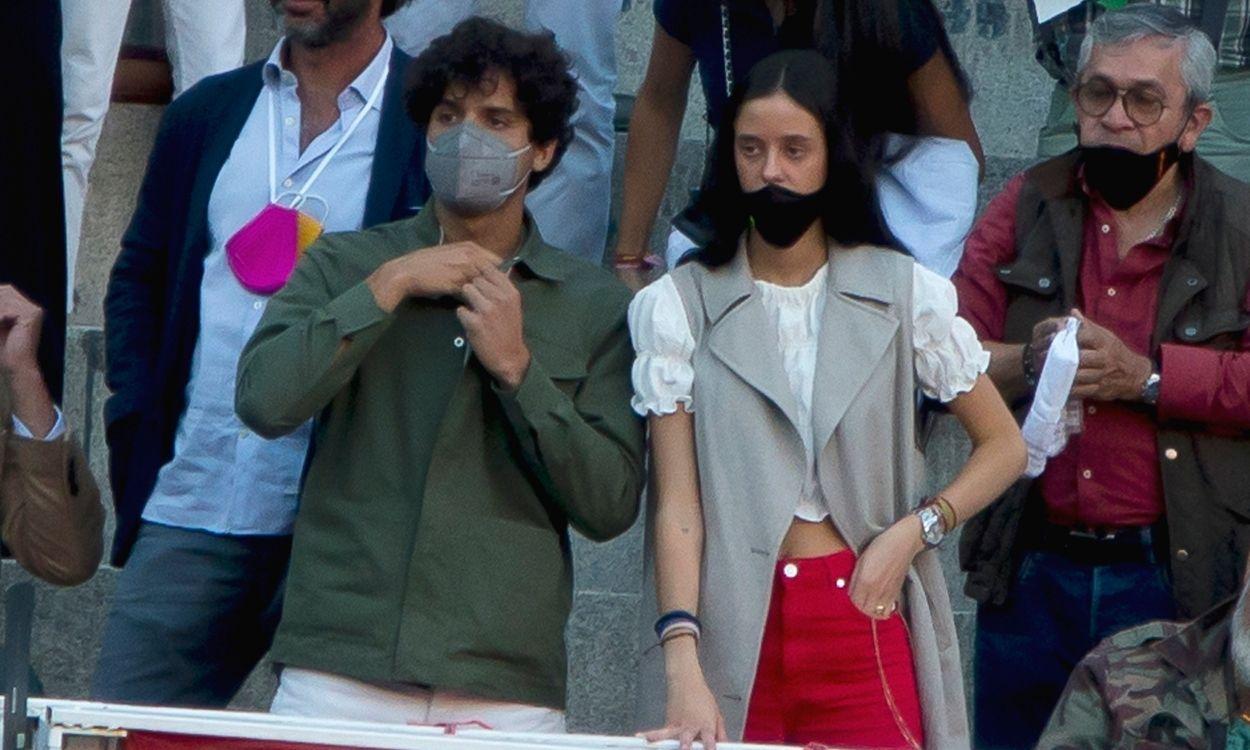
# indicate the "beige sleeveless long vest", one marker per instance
pixel 752 463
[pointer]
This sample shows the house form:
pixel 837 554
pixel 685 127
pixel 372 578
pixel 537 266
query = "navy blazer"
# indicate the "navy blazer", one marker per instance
pixel 151 309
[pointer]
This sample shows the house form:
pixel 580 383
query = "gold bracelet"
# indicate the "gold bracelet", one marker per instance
pixel 678 634
pixel 948 513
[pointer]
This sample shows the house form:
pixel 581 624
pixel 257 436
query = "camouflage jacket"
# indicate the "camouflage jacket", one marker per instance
pixel 1159 685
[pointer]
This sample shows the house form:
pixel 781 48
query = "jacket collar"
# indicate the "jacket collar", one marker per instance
pixel 857 325
pixel 534 255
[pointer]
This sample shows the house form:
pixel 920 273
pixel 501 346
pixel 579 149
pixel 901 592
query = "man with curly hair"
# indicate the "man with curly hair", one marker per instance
pixel 471 390
pixel 571 208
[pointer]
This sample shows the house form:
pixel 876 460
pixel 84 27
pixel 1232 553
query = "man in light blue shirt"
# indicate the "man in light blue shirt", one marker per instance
pixel 319 123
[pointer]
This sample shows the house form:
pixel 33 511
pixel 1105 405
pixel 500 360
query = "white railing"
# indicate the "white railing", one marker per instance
pixel 63 721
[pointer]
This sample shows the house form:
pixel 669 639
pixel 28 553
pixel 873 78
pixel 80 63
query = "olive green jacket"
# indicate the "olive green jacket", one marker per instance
pixel 1159 685
pixel 431 543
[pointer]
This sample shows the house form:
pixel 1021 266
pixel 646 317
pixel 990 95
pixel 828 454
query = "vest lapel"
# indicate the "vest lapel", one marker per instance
pixel 742 336
pixel 856 329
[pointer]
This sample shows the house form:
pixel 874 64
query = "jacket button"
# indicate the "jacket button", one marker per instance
pixel 458 342
pixel 790 570
pixel 1191 281
pixel 1191 331
pixel 1044 283
pixel 1182 555
pixel 1170 454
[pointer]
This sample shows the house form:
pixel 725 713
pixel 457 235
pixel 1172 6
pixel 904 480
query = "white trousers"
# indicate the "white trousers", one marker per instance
pixel 201 38
pixel 304 692
pixel 571 205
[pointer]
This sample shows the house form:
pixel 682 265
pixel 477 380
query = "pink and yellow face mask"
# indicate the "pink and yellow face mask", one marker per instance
pixel 263 253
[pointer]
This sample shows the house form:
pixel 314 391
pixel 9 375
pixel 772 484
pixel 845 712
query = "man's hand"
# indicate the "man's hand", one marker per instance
pixel 1109 370
pixel 432 272
pixel 20 324
pixel 1043 335
pixel 493 322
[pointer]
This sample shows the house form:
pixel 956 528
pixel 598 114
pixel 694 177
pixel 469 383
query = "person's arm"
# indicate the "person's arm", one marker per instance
pixel 654 129
pixel 307 345
pixel 998 458
pixel 692 714
pixel 941 107
pixel 1206 386
pixel 587 448
pixel 52 518
pixel 983 296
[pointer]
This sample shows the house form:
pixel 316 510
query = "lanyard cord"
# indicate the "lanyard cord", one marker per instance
pixel 325 160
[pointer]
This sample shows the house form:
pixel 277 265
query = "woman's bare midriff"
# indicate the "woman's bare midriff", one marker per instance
pixel 812 539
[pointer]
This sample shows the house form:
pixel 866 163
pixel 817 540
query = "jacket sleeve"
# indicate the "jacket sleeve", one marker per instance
pixel 52 518
pixel 588 448
pixel 1082 720
pixel 306 347
pixel 136 295
pixel 1207 386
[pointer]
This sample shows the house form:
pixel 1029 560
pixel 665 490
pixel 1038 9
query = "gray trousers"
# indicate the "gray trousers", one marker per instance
pixel 192 615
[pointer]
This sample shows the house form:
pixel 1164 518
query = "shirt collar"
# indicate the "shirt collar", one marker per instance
pixel 534 255
pixel 276 75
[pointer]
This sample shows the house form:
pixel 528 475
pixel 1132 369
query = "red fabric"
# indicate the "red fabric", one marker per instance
pixel 818 680
pixel 166 741
pixel 1108 476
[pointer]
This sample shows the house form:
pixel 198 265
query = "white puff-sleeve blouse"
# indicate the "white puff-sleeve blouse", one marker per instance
pixel 948 356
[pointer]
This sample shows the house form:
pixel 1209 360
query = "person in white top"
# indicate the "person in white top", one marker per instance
pixel 201 38
pixel 790 195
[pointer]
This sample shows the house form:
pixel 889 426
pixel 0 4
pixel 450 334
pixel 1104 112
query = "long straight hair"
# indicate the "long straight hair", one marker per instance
pixel 866 40
pixel 849 212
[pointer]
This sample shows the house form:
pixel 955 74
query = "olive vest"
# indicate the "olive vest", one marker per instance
pixel 1206 473
pixel 752 463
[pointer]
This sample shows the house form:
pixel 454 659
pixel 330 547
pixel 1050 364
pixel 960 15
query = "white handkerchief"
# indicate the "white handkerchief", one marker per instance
pixel 1048 9
pixel 1051 419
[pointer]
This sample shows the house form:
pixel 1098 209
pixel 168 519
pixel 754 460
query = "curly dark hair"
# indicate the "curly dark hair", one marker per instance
pixel 479 47
pixel 390 6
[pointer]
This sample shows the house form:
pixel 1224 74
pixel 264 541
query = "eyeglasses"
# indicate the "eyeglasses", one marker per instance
pixel 1097 96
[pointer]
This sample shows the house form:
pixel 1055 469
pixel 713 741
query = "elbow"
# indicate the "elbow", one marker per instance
pixel 256 412
pixel 1015 453
pixel 613 521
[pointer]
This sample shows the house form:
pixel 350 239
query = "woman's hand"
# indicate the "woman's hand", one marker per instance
pixel 692 714
pixel 879 574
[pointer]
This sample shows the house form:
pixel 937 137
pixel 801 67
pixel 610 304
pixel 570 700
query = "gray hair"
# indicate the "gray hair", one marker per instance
pixel 1134 22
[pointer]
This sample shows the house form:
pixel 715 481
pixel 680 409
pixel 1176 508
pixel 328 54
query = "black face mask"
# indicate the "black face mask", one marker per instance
pixel 782 216
pixel 1124 177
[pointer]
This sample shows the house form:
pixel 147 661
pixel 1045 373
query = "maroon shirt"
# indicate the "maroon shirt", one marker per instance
pixel 1108 475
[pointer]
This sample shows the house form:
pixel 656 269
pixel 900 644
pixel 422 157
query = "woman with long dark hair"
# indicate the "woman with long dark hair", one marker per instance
pixel 799 598
pixel 905 89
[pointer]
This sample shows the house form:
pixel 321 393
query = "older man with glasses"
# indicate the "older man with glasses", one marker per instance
pixel 1225 142
pixel 1145 513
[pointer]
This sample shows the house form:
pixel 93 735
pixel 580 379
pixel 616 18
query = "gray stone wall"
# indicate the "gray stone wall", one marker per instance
pixel 992 38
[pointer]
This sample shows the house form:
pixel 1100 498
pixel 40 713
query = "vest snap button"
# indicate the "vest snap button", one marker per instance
pixel 790 570
pixel 1191 331
pixel 1170 454
pixel 1191 281
pixel 1044 283
pixel 1182 555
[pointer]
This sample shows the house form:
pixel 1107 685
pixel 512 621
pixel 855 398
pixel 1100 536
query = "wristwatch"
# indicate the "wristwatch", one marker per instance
pixel 932 530
pixel 1150 390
